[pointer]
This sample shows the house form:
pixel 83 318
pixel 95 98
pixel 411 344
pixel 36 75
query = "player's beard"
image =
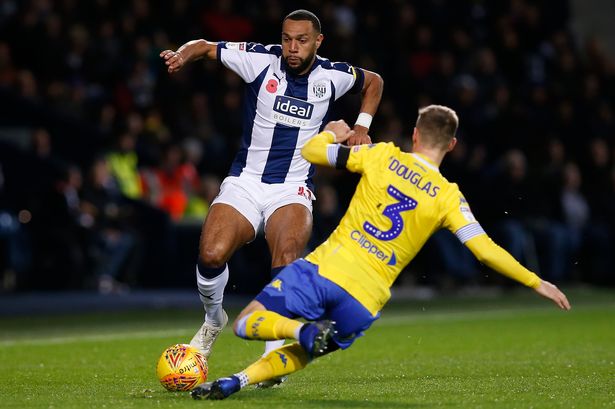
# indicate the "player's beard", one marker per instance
pixel 305 64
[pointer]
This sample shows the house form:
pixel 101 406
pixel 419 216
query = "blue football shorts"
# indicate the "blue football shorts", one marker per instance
pixel 299 291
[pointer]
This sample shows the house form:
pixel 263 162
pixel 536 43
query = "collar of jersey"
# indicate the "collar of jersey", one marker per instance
pixel 425 161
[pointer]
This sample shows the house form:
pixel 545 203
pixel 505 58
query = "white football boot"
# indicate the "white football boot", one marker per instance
pixel 205 337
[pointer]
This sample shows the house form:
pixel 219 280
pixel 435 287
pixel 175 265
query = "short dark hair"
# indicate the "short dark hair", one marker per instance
pixel 301 14
pixel 437 124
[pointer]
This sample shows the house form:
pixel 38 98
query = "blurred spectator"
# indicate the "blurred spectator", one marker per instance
pixel 574 204
pixel 575 210
pixel 59 240
pixel 123 164
pixel 510 208
pixel 8 73
pixel 452 264
pixel 598 189
pixel 441 77
pixel 327 214
pixel 222 21
pixel 109 218
pixel 15 251
pixel 171 185
pixel 199 203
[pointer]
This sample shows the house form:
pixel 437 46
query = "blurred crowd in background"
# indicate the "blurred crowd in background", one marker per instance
pixel 108 164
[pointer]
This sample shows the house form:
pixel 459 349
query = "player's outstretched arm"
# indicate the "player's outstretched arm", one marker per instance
pixel 370 99
pixel 192 50
pixel 316 150
pixel 498 259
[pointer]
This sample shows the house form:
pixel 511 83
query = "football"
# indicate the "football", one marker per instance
pixel 181 367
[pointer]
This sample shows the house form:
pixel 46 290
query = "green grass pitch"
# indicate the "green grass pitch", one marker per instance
pixel 509 351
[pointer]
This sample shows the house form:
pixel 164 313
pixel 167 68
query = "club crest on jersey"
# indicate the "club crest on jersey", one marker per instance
pixel 292 111
pixel 320 89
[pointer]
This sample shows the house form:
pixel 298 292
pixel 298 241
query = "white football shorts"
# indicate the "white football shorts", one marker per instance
pixel 257 201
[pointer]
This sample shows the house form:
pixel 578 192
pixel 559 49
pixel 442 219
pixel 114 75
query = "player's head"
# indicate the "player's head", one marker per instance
pixel 301 37
pixel 436 127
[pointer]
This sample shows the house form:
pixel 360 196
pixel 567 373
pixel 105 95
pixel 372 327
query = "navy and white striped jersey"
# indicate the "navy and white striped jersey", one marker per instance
pixel 282 111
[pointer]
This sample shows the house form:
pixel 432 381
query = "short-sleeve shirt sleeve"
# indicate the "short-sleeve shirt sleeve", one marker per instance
pixel 248 60
pixel 344 76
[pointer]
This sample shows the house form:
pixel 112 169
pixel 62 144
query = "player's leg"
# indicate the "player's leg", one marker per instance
pixel 223 232
pixel 283 361
pixel 270 316
pixel 293 293
pixel 349 319
pixel 350 316
pixel 267 325
pixel 299 290
pixel 287 231
pixel 257 323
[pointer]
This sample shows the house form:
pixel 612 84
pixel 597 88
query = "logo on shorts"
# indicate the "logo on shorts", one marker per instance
pixel 305 192
pixel 277 284
pixel 292 111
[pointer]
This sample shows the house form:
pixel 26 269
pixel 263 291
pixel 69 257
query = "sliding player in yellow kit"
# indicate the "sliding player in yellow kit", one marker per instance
pixel 400 201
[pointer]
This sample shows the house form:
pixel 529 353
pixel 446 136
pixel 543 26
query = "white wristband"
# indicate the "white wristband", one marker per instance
pixel 364 120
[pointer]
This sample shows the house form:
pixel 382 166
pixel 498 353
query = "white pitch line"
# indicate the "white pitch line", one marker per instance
pixel 385 321
pixel 395 318
pixel 454 316
pixel 94 338
pixel 388 319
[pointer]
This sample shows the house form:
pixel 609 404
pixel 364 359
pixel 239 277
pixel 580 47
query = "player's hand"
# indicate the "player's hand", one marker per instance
pixel 173 60
pixel 360 136
pixel 341 130
pixel 550 291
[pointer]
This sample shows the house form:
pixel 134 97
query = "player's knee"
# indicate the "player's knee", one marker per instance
pixel 213 257
pixel 286 259
pixel 235 328
pixel 239 326
pixel 286 255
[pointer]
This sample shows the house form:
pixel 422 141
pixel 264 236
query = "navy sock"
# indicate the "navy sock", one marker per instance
pixel 210 272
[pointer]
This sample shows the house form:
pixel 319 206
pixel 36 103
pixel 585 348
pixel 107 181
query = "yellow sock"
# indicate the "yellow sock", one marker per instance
pixel 282 361
pixel 268 325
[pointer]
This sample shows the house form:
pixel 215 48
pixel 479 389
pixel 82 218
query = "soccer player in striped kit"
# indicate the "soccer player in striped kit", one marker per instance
pixel 290 91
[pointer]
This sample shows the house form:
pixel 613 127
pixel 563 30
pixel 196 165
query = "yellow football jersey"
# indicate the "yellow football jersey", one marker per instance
pixel 400 201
